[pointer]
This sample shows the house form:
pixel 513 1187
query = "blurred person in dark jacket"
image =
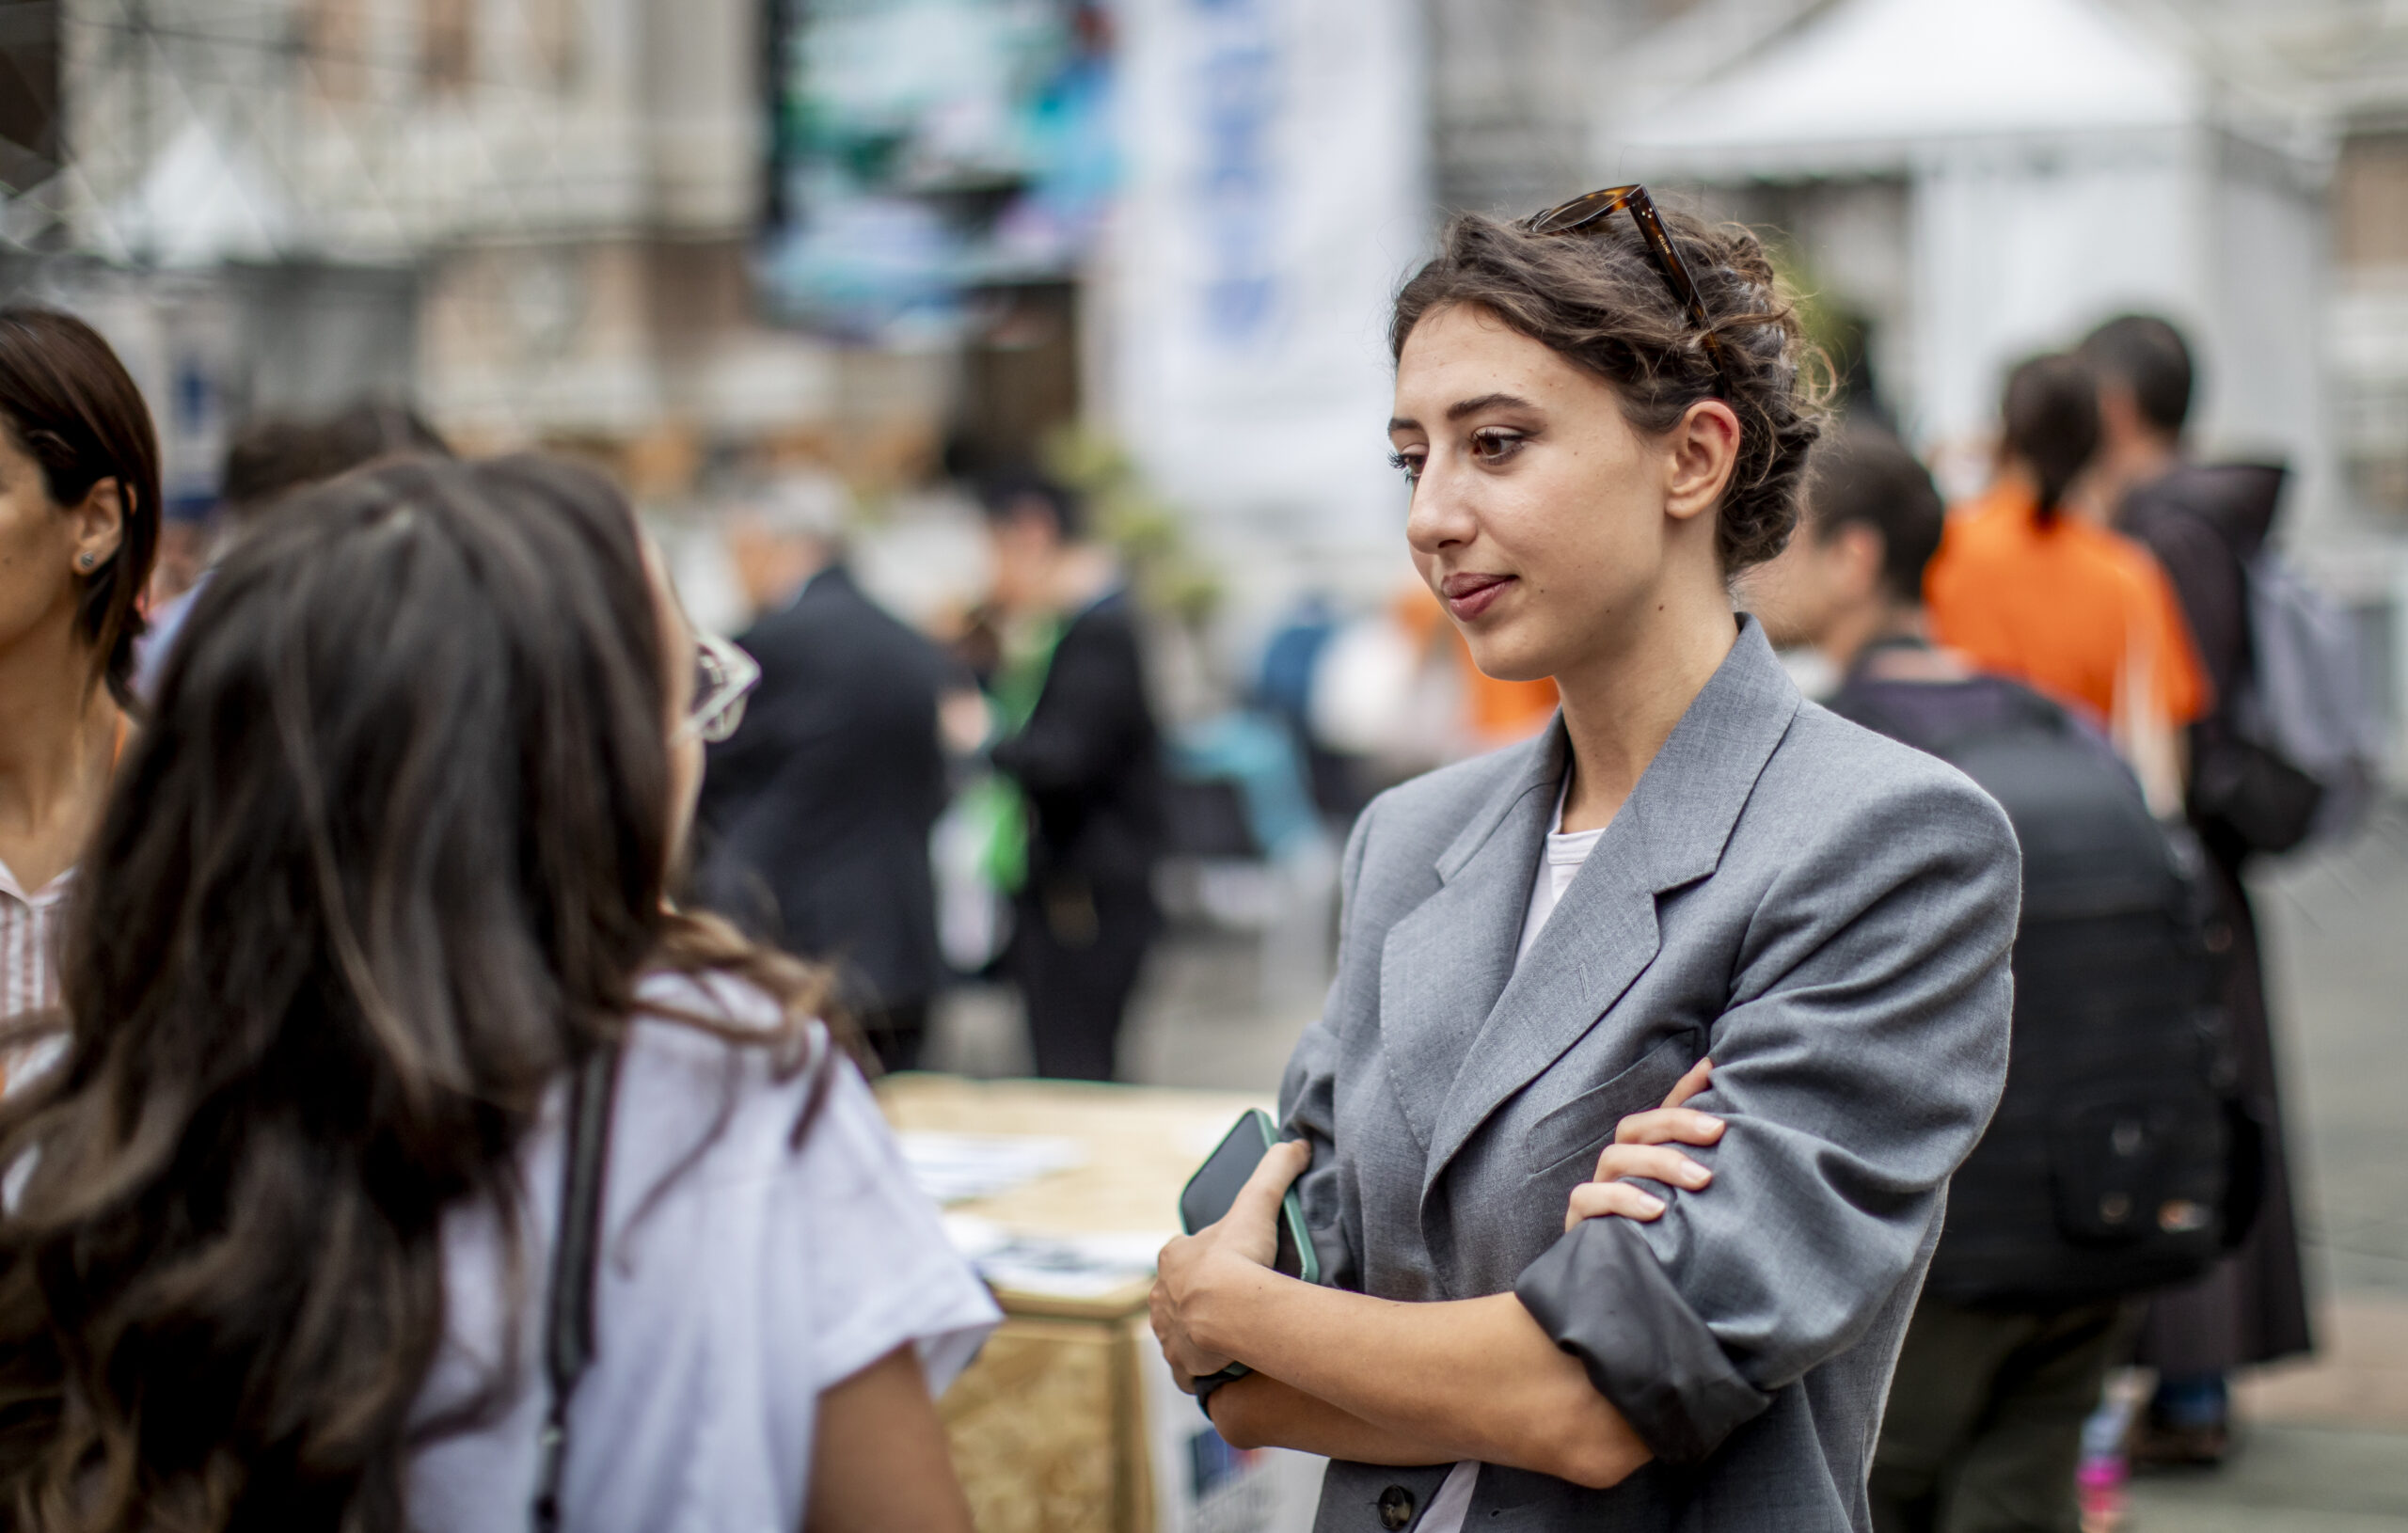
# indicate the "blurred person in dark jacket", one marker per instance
pixel 2203 522
pixel 2016 1328
pixel 1078 737
pixel 271 458
pixel 818 808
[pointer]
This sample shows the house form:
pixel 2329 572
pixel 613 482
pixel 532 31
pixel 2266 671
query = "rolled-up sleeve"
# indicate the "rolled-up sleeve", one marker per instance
pixel 1309 1104
pixel 1862 1056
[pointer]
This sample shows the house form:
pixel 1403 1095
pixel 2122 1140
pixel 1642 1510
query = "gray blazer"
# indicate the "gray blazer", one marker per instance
pixel 1829 914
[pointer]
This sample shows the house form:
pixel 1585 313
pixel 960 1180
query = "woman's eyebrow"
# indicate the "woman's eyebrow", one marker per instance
pixel 1463 408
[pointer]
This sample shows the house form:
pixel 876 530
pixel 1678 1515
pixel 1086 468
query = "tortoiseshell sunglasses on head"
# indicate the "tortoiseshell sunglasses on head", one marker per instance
pixel 1581 211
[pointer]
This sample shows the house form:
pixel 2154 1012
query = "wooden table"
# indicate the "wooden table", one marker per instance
pixel 1068 1422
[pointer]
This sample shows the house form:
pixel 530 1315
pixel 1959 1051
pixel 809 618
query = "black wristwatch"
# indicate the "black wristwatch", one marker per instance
pixel 1209 1382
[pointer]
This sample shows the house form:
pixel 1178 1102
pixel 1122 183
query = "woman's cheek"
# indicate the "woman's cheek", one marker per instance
pixel 685 791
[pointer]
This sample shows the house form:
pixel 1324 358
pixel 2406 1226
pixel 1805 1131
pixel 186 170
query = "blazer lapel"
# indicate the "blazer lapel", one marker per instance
pixel 1443 964
pixel 1603 935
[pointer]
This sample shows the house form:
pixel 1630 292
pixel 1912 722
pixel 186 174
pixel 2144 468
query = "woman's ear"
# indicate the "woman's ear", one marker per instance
pixel 1702 449
pixel 98 523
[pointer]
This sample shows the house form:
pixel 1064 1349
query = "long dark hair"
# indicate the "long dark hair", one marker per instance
pixel 70 404
pixel 2050 420
pixel 389 859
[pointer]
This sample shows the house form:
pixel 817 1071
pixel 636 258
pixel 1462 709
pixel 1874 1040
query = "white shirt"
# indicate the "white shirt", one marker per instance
pixel 1557 866
pixel 31 928
pixel 29 935
pixel 734 1289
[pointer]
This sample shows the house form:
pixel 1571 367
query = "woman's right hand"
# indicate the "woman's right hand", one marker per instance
pixel 1639 1150
pixel 1194 1271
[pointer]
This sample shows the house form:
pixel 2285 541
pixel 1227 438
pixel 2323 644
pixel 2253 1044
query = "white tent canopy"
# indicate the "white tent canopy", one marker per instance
pixel 1870 85
pixel 2059 163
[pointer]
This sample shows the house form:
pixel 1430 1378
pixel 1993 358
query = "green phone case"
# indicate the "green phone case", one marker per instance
pixel 1291 1208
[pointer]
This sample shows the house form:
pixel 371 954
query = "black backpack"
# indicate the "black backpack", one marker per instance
pixel 2108 1169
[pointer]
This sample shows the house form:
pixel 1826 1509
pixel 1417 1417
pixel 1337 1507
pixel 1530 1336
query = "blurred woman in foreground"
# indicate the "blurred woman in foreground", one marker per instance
pixel 79 527
pixel 386 873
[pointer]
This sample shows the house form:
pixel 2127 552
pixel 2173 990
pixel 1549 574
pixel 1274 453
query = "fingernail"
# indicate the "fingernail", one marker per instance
pixel 1696 1175
pixel 1650 1205
pixel 1711 1121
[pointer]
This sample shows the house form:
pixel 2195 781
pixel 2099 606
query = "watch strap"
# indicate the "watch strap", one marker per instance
pixel 1211 1381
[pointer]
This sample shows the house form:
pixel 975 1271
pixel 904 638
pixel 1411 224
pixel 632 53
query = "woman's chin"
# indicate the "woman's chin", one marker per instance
pixel 1509 663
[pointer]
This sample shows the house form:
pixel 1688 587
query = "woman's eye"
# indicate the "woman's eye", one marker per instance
pixel 1495 445
pixel 1407 463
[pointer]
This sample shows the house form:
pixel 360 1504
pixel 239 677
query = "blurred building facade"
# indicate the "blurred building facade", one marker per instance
pixel 2354 58
pixel 848 231
pixel 534 217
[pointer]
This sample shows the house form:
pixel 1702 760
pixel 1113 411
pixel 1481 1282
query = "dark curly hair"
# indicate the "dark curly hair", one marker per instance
pixel 1596 296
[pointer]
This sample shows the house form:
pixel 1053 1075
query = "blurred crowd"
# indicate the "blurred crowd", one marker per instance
pixel 2108 601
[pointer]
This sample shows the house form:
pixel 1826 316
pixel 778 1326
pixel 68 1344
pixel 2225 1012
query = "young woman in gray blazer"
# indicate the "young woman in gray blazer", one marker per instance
pixel 1603 419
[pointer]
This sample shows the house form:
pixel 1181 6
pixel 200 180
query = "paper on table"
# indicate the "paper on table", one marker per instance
pixel 1059 1266
pixel 957 1168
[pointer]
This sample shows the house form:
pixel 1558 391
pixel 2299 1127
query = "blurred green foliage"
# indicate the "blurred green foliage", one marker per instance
pixel 1148 532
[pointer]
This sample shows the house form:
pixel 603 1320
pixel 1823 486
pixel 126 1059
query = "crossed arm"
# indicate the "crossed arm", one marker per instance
pixel 1375 1381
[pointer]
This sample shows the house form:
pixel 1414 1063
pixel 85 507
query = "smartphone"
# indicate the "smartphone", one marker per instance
pixel 1215 1186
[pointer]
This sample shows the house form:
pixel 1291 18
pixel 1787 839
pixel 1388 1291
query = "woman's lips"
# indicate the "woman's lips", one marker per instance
pixel 1469 595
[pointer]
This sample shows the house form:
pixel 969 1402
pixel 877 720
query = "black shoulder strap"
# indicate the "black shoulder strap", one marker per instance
pixel 568 1318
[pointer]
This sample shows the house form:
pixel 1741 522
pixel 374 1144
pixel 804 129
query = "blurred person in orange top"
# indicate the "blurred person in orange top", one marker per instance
pixel 2029 583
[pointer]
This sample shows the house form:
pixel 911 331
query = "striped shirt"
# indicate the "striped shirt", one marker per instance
pixel 31 928
pixel 29 936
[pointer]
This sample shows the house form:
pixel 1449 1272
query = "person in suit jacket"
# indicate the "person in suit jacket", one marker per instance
pixel 1086 760
pixel 1603 421
pixel 817 810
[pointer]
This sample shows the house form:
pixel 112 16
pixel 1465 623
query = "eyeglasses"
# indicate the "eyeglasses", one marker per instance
pixel 724 675
pixel 1581 211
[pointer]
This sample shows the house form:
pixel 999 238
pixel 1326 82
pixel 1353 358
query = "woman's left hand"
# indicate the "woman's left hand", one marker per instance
pixel 1195 1272
pixel 1639 1150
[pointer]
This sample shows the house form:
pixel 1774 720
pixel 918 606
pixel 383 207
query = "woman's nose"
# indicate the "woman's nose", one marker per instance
pixel 1441 514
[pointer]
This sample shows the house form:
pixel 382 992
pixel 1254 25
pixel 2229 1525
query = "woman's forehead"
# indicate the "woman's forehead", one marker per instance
pixel 1461 354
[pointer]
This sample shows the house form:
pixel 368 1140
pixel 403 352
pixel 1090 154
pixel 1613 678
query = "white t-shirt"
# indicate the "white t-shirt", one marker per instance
pixel 1557 866
pixel 732 1291
pixel 30 924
